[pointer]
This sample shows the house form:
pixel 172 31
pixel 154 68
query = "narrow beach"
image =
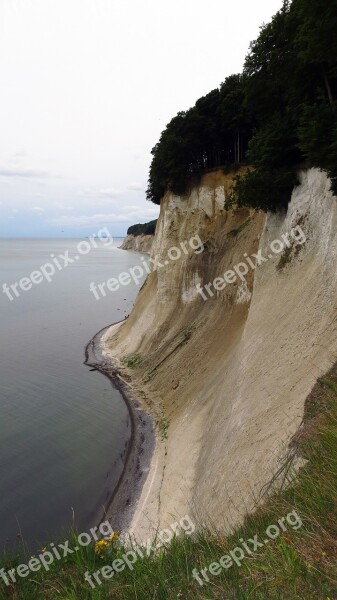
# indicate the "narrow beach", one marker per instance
pixel 139 448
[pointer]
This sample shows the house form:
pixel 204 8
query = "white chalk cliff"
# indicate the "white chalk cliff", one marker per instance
pixel 227 378
pixel 138 243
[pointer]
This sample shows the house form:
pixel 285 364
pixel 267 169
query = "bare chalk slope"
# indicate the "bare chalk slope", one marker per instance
pixel 226 378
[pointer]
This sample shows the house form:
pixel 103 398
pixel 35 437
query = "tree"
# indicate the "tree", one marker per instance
pixel 316 40
pixel 279 113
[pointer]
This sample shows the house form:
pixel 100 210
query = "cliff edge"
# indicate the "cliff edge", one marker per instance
pixel 140 237
pixel 138 243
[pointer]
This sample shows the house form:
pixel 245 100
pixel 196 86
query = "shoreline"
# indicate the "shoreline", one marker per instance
pixel 137 456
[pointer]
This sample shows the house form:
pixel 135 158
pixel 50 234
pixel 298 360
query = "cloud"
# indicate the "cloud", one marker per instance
pixel 15 159
pixel 135 187
pixel 37 209
pixel 36 195
pixel 102 193
pixel 101 219
pixel 110 193
pixel 61 206
pixel 23 173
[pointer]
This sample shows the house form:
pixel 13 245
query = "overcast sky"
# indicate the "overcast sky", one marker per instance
pixel 87 86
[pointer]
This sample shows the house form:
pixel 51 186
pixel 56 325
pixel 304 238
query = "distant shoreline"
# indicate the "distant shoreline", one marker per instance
pixel 122 503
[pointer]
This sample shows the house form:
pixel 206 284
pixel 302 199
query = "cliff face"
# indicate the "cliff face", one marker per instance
pixel 138 243
pixel 227 376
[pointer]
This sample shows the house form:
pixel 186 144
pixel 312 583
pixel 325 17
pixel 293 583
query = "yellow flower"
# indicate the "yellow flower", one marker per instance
pixel 324 554
pixel 113 537
pixel 100 546
pixel 43 550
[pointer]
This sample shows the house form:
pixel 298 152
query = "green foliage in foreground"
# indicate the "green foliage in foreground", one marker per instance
pixel 278 114
pixel 143 228
pixel 299 564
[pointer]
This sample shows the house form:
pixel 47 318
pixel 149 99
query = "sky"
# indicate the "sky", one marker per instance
pixel 87 86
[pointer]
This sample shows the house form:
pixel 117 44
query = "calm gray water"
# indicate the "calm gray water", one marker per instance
pixel 62 427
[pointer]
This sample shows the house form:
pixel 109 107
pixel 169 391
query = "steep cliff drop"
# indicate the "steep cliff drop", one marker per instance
pixel 226 378
pixel 140 237
pixel 138 243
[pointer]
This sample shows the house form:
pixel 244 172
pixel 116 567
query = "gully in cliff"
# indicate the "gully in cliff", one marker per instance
pixel 296 237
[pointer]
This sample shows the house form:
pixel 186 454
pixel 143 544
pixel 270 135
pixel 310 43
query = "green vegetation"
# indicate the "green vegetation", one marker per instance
pixel 133 361
pixel 149 375
pixel 301 564
pixel 143 229
pixel 281 112
pixel 163 425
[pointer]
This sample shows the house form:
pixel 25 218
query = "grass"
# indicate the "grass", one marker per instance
pixel 133 361
pixel 300 564
pixel 163 426
pixel 149 375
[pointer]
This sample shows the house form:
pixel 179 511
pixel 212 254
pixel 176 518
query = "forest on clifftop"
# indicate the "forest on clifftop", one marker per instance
pixel 280 113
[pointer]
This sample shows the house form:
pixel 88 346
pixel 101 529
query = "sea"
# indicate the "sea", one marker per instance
pixel 63 428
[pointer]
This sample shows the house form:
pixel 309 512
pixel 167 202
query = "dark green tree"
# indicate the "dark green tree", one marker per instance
pixel 278 115
pixel 316 40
